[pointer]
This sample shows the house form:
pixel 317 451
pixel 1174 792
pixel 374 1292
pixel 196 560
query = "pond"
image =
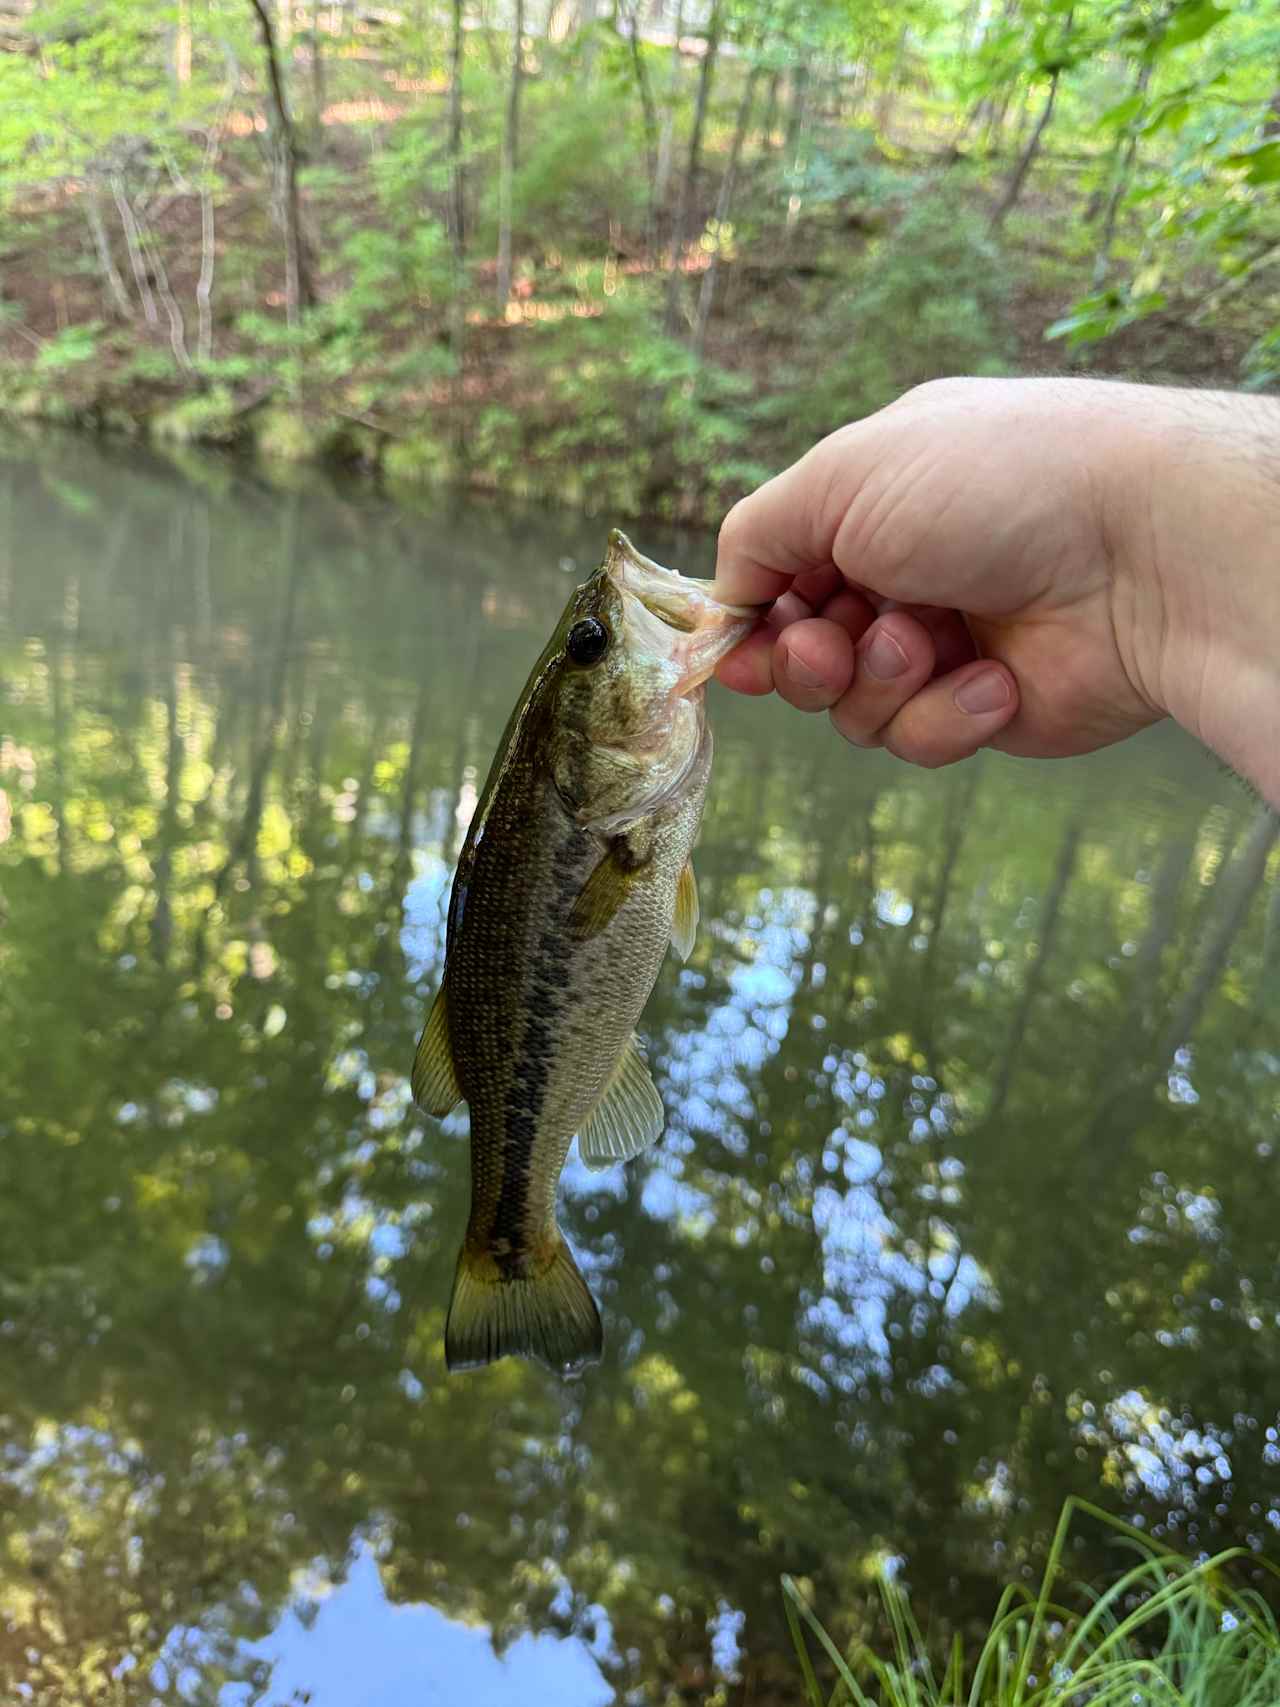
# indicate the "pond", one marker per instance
pixel 967 1199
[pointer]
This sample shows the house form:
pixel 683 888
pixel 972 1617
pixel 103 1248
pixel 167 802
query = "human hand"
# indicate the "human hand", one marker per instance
pixel 1024 564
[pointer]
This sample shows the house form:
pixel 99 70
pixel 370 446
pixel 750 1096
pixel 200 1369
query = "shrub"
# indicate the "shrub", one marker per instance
pixel 611 413
pixel 926 300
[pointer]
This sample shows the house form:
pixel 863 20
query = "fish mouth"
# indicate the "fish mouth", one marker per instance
pixel 707 627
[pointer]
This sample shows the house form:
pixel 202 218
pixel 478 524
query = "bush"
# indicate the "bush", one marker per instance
pixel 210 418
pixel 925 301
pixel 610 413
pixel 68 348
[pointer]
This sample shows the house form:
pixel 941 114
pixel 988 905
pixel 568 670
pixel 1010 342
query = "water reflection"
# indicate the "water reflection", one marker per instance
pixel 966 1200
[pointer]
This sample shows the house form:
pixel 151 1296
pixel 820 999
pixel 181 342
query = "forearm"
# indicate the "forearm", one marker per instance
pixel 1198 558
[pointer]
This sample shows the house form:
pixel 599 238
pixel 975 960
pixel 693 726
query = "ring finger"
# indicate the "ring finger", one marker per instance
pixel 893 660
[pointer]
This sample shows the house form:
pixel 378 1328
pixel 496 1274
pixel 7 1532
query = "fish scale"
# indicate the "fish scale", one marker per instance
pixel 573 877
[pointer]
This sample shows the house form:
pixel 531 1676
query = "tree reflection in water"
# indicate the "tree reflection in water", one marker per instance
pixel 966 1200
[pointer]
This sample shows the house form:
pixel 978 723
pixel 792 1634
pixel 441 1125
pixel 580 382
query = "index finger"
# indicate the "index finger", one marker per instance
pixel 785 528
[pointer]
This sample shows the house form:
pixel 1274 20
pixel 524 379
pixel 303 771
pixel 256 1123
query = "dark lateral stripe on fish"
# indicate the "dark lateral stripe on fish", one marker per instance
pixel 510 1231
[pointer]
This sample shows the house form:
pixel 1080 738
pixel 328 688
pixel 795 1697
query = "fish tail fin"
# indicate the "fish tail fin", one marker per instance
pixel 549 1315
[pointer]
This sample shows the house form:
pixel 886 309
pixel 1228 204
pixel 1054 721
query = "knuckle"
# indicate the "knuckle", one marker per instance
pixel 940 390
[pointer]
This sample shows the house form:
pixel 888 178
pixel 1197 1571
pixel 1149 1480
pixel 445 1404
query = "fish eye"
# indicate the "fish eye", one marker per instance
pixel 588 641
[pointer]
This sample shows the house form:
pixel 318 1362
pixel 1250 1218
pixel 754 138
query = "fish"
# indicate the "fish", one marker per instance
pixel 573 880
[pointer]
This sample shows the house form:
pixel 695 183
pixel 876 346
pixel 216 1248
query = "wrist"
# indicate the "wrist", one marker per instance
pixel 1195 538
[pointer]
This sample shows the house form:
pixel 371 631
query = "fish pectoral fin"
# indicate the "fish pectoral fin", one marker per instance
pixel 602 895
pixel 434 1082
pixel 629 1116
pixel 684 926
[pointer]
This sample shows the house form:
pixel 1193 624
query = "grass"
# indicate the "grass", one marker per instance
pixel 1169 1632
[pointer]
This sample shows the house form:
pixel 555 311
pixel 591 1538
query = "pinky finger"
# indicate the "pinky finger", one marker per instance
pixel 952 717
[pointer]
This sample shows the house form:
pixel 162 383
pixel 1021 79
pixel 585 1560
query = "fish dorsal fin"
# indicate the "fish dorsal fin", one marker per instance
pixel 434 1082
pixel 628 1117
pixel 684 926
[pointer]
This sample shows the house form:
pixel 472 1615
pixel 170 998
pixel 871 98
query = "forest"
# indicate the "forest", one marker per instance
pixel 633 256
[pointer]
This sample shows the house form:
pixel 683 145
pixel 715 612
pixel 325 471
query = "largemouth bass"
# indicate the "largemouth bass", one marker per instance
pixel 573 879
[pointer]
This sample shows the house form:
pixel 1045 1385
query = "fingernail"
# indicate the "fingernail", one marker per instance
pixel 885 659
pixel 986 692
pixel 801 674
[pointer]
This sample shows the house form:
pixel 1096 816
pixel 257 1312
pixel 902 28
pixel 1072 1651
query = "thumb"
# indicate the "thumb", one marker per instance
pixel 788 526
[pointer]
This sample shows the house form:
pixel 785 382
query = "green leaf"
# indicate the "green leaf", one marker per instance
pixel 1079 328
pixel 1190 22
pixel 1169 115
pixel 1261 162
pixel 1122 114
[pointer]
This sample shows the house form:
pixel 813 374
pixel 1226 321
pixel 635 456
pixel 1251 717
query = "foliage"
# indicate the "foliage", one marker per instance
pixel 927 298
pixel 610 410
pixel 580 166
pixel 1201 191
pixel 70 347
pixel 146 177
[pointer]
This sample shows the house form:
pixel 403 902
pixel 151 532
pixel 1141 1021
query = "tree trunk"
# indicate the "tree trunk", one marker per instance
pixel 1026 159
pixel 1148 962
pixel 162 865
pixel 457 215
pixel 299 293
pixel 1248 869
pixel 796 113
pixel 158 271
pixel 510 158
pixel 243 843
pixel 724 205
pixel 689 184
pixel 770 113
pixel 666 142
pixel 457 199
pixel 586 28
pixel 182 44
pixel 889 93
pixel 970 36
pixel 106 260
pixel 792 147
pixel 1121 175
pixel 319 98
pixel 208 255
pixel 650 115
pixel 1035 976
pixel 134 245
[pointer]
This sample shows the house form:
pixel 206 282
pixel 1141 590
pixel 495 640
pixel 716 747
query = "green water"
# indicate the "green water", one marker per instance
pixel 967 1199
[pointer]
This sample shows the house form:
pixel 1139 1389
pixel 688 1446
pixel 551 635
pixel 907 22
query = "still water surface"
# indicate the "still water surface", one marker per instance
pixel 967 1199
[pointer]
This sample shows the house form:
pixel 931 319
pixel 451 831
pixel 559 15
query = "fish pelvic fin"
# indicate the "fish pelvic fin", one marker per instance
pixel 547 1314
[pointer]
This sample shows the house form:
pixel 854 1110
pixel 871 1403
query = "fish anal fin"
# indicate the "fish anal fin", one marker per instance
pixel 434 1082
pixel 602 895
pixel 547 1313
pixel 629 1116
pixel 684 924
